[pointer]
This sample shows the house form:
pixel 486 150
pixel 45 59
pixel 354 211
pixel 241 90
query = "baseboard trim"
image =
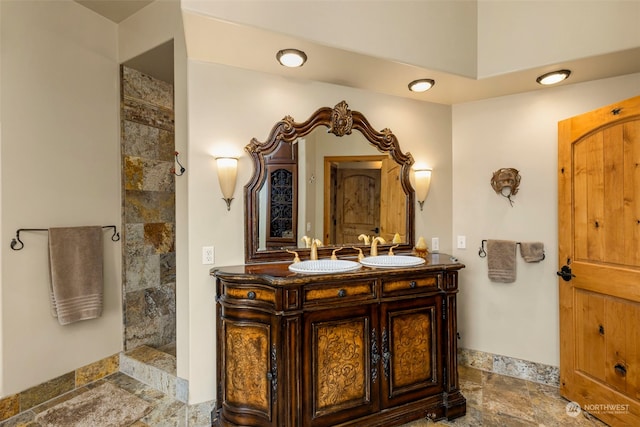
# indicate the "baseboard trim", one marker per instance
pixel 510 366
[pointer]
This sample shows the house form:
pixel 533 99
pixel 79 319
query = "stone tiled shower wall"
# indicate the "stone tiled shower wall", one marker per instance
pixel 148 210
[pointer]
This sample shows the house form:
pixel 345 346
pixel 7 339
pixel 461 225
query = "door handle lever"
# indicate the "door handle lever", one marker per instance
pixel 565 273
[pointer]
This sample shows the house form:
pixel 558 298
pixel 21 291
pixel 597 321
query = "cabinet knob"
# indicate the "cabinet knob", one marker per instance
pixel 251 295
pixel 413 284
pixel 342 293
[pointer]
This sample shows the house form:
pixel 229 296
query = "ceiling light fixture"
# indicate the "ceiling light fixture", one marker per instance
pixel 421 85
pixel 553 77
pixel 291 57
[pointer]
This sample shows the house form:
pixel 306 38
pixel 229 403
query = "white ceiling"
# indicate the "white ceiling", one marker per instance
pixel 252 48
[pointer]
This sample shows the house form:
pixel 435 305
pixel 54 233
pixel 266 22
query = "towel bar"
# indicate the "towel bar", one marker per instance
pixel 16 240
pixel 482 253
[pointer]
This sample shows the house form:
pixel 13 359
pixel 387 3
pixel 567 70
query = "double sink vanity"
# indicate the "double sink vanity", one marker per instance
pixel 348 342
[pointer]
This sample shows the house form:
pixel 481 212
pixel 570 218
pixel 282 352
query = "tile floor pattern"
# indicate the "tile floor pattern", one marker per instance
pixel 495 400
pixel 492 400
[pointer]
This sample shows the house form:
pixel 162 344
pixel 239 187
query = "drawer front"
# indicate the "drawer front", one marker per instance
pixel 249 292
pixel 413 285
pixel 348 291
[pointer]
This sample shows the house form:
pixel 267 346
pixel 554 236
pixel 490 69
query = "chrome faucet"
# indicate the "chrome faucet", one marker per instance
pixel 374 245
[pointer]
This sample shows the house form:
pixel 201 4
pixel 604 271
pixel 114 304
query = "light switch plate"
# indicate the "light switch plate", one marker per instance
pixel 462 242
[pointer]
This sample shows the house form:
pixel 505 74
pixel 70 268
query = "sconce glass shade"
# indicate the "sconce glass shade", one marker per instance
pixel 227 173
pixel 423 183
pixel 291 58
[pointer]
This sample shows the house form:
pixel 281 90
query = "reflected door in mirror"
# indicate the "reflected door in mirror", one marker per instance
pixel 393 206
pixel 357 205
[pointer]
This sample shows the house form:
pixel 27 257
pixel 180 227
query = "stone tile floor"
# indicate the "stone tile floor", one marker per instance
pixel 495 400
pixel 492 400
pixel 165 411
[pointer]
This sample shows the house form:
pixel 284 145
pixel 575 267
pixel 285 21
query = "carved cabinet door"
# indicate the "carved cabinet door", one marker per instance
pixel 248 368
pixel 340 378
pixel 411 350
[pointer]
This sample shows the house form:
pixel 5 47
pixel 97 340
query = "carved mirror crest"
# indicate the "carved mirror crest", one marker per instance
pixel 307 182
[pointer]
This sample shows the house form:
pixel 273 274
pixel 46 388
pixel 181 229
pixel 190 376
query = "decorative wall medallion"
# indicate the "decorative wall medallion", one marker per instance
pixel 505 182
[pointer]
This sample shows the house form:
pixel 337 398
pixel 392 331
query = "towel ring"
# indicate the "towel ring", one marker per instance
pixel 16 240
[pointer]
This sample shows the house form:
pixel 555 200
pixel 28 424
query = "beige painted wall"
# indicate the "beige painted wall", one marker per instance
pixel 228 107
pixel 549 32
pixel 370 27
pixel 465 37
pixel 60 167
pixel 519 319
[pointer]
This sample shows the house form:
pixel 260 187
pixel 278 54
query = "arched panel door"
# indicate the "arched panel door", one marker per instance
pixel 599 259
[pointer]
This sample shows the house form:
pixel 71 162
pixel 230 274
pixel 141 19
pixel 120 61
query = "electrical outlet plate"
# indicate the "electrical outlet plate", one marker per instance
pixel 435 244
pixel 207 255
pixel 462 242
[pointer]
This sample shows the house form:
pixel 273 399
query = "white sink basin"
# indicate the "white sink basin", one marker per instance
pixel 392 261
pixel 324 266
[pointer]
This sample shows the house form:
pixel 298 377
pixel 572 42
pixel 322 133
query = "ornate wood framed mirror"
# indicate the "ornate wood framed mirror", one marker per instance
pixel 308 183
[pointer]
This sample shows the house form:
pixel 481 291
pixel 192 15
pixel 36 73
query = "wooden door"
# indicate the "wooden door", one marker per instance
pixel 599 251
pixel 357 204
pixel 393 202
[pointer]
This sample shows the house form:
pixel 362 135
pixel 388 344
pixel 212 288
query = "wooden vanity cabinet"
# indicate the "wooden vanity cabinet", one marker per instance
pixel 368 348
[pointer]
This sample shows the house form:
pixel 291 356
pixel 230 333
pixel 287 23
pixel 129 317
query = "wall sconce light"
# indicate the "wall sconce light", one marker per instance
pixel 227 172
pixel 423 183
pixel 291 58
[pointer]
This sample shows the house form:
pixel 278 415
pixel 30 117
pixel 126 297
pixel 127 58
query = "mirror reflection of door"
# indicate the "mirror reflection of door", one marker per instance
pixel 357 205
pixel 365 197
pixel 393 209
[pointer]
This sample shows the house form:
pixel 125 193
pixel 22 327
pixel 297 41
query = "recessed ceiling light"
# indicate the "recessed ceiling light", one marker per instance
pixel 291 57
pixel 553 77
pixel 421 85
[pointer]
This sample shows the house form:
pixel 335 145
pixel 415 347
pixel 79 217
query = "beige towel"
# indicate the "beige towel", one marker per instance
pixel 75 258
pixel 501 258
pixel 532 251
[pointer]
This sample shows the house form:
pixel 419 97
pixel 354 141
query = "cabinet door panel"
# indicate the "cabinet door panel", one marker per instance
pixel 411 350
pixel 337 356
pixel 249 361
